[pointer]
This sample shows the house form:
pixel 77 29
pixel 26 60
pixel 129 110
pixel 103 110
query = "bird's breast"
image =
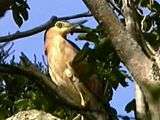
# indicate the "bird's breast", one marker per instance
pixel 59 54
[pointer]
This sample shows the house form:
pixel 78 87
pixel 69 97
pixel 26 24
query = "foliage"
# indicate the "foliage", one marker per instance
pixel 106 63
pixel 149 20
pixel 18 92
pixel 19 10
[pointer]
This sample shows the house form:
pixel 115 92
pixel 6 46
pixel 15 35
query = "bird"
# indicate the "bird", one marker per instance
pixel 63 70
pixel 59 50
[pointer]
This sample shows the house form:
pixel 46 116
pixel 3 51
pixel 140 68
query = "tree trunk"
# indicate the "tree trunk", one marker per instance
pixel 126 41
pixel 33 115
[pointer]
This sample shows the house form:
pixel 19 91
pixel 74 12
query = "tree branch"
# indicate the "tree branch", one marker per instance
pixel 126 46
pixel 132 26
pixel 45 82
pixel 144 70
pixel 33 115
pixel 40 28
pixel 33 73
pixel 116 8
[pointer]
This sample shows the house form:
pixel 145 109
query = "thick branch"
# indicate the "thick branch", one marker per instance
pixel 126 46
pixel 33 72
pixel 143 69
pixel 132 27
pixel 40 28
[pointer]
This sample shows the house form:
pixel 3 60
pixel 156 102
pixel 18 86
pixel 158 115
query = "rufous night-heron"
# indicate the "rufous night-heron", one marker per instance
pixel 60 54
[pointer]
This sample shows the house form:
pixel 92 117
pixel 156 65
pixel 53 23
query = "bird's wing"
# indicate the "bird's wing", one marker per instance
pixel 74 45
pixel 70 85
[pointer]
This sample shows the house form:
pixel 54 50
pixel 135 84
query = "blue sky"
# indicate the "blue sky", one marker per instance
pixel 40 12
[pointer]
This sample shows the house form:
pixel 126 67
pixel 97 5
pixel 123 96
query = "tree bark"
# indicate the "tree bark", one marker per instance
pixel 33 115
pixel 144 70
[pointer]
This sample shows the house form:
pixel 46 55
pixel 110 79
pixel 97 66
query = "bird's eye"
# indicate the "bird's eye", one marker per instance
pixel 59 25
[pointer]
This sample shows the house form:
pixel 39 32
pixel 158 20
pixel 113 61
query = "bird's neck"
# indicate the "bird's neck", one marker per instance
pixel 56 41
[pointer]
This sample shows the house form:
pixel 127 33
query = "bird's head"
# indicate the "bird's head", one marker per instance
pixel 64 27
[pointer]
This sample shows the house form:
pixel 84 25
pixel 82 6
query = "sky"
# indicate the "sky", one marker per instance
pixel 39 13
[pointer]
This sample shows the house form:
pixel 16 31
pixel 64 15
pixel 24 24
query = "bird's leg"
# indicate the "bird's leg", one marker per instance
pixel 70 73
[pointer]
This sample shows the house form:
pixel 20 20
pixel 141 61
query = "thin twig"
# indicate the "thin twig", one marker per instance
pixel 116 8
pixel 77 117
pixel 40 28
pixel 3 45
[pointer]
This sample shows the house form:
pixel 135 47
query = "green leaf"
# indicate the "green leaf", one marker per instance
pixel 147 23
pixel 17 18
pixel 131 106
pixel 155 7
pixel 19 11
pixel 23 11
pixel 121 78
pixel 23 104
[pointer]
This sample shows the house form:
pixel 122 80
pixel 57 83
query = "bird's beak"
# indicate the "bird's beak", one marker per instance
pixel 78 23
pixel 75 25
